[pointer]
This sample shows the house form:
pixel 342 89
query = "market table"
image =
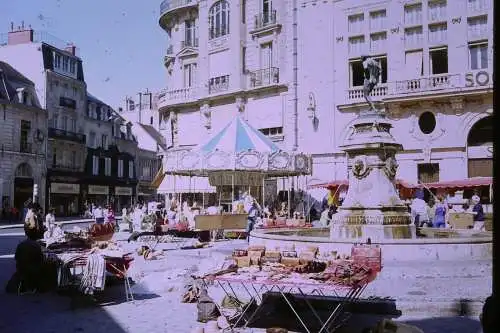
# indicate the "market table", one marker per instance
pixel 72 262
pixel 255 288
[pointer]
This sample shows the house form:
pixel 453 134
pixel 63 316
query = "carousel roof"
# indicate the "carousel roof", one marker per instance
pixel 239 148
pixel 236 137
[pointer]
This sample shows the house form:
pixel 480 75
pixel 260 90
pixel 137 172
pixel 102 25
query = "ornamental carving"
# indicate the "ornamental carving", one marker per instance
pixel 279 161
pixel 190 161
pixel 457 105
pixel 360 168
pixel 340 39
pixel 207 114
pixel 249 160
pixel 391 167
pixel 456 20
pixel 218 160
pixel 301 163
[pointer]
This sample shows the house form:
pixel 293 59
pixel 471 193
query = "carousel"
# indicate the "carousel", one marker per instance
pixel 237 161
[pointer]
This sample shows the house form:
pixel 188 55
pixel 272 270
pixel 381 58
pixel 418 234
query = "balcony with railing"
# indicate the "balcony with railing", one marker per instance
pixel 426 85
pixel 194 42
pixel 356 94
pixel 168 6
pixel 218 84
pixel 265 19
pixel 26 147
pixel 59 134
pixel 177 96
pixel 61 166
pixel 264 77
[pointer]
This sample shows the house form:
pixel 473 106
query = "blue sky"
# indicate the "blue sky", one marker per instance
pixel 120 41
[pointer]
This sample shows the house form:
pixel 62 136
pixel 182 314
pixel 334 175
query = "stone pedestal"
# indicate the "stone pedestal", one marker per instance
pixel 372 207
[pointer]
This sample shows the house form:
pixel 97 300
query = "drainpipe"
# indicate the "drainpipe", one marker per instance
pixel 46 203
pixel 295 79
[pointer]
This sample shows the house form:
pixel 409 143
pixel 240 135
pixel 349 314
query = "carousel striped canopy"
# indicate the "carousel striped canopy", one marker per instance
pixel 236 137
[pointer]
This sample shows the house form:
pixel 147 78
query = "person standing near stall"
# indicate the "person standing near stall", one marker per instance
pixel 477 210
pixel 252 218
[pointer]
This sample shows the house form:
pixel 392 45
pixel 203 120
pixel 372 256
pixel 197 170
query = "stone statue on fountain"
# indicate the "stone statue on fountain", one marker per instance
pixel 372 70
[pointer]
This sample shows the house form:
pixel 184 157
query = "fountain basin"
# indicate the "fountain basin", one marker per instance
pixel 433 244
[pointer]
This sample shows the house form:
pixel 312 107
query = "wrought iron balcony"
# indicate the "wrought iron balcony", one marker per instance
pixel 55 133
pixel 265 19
pixel 64 167
pixel 218 84
pixel 26 147
pixel 189 43
pixel 169 5
pixel 264 77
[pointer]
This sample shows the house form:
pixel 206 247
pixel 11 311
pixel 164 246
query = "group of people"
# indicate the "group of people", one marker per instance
pixel 99 214
pixel 436 212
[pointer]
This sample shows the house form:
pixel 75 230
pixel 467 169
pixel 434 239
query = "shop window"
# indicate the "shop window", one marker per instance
pixel 428 172
pixel 120 168
pixel 439 61
pixel 427 122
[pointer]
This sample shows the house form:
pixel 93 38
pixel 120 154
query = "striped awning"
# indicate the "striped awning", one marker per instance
pixel 236 137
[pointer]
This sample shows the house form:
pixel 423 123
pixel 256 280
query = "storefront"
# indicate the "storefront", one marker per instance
pixel 63 197
pixel 98 195
pixel 123 198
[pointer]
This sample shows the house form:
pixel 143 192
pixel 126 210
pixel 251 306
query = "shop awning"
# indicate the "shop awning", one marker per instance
pixel 463 183
pixel 332 185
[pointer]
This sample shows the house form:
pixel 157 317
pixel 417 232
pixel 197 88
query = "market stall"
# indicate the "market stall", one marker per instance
pixel 237 161
pixel 84 258
pixel 256 271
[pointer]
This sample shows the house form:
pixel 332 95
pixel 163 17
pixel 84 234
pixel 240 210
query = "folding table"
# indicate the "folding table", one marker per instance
pixel 256 288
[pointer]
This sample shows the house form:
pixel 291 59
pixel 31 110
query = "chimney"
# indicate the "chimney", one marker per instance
pixel 20 36
pixel 70 49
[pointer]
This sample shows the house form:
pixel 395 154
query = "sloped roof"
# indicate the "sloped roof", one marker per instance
pixel 10 80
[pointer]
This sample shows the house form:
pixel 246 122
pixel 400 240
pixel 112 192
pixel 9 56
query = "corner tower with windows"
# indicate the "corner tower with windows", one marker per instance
pixel 224 57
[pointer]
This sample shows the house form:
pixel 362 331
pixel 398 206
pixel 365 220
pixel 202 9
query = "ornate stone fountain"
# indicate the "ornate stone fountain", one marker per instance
pixel 372 207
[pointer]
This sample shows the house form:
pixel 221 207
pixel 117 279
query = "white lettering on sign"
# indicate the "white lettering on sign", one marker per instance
pixel 65 188
pixel 478 79
pixel 97 189
pixel 123 190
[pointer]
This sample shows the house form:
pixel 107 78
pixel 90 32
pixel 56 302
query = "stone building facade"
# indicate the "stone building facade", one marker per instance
pixel 293 68
pixel 23 141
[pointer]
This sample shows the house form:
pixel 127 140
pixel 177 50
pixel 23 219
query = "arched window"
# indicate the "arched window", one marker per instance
pixel 24 171
pixel 218 18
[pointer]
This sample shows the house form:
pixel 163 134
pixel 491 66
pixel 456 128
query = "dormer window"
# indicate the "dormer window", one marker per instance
pixel 57 60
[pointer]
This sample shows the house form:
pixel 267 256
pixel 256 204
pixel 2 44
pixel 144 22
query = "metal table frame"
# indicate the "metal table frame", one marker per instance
pixel 255 289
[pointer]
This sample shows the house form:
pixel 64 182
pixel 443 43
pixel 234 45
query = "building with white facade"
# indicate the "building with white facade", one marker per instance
pixel 293 68
pixel 23 141
pixel 57 73
pixel 143 109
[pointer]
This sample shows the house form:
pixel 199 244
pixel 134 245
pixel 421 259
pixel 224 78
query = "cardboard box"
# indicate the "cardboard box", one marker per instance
pixel 290 262
pixel 255 253
pixel 242 261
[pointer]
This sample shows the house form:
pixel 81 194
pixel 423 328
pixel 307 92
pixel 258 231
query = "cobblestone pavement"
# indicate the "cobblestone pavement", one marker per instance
pixel 157 307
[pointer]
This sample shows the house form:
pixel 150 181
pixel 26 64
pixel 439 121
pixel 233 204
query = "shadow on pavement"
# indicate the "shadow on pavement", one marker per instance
pixel 51 312
pixel 447 324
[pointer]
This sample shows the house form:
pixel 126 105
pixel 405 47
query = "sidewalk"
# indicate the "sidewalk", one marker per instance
pixel 63 220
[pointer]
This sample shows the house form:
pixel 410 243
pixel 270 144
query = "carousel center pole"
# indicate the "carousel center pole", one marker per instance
pixel 263 192
pixel 232 191
pixel 289 198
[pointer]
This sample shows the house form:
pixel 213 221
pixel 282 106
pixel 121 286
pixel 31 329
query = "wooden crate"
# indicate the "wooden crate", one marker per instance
pixel 461 220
